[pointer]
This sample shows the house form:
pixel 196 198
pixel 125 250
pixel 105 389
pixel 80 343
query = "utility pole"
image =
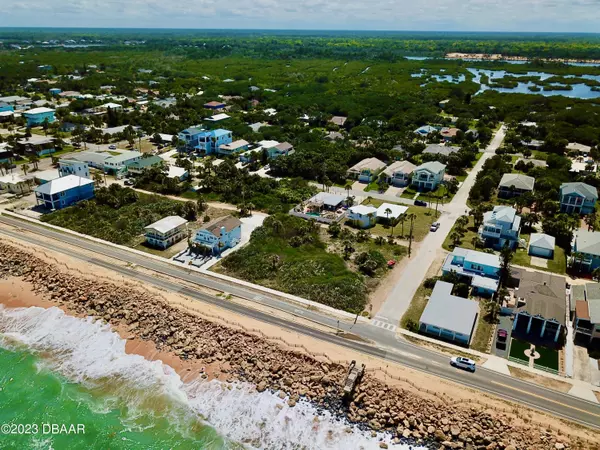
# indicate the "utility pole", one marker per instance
pixel 410 236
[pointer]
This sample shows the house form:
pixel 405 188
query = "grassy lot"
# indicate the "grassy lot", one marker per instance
pixel 416 307
pixel 548 358
pixel 372 186
pixel 517 349
pixel 483 331
pixel 425 217
pixel 466 241
pixel 556 265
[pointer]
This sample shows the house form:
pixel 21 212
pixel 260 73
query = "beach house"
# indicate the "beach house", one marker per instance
pixel 282 149
pixel 145 163
pixel 204 142
pixel 40 145
pixel 578 198
pixel 64 191
pixel 117 164
pixel 215 105
pixel 362 216
pixel 37 116
pixel 399 173
pixel 515 184
pixel 366 170
pixel 233 148
pixel 585 250
pixel 73 167
pixel 220 234
pixel 500 227
pixel 166 231
pixel 586 319
pixel 481 269
pixel 428 176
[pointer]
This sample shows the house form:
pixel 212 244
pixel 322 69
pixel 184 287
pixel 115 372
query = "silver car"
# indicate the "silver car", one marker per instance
pixel 462 363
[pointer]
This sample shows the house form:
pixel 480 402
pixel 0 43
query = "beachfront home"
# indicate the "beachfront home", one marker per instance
pixel 366 170
pixel 482 269
pixel 586 319
pixel 233 148
pixel 37 116
pixel 515 184
pixel 399 173
pixel 541 308
pixel 500 227
pixel 282 149
pixel 585 250
pixel 166 231
pixel 204 142
pixel 73 167
pixel 117 164
pixel 64 191
pixel 578 198
pixel 362 216
pixel 146 162
pixel 541 245
pixel 220 234
pixel 428 176
pixel 448 316
pixel 178 173
pixel 390 213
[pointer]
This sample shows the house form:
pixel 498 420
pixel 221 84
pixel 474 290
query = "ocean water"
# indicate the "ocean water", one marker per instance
pixel 68 384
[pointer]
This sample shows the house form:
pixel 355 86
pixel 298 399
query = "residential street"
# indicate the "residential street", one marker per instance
pixel 415 271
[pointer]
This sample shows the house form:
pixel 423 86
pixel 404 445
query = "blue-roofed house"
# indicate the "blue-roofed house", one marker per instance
pixel 448 316
pixel 426 130
pixel 578 198
pixel 428 176
pixel 37 116
pixel 5 107
pixel 500 227
pixel 64 191
pixel 54 91
pixel 282 149
pixel 483 269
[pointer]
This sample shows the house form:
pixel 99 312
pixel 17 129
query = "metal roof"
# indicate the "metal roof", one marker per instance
pixel 362 210
pixel 542 240
pixel 581 189
pixel 519 181
pixel 588 242
pixel 166 224
pixel 396 210
pixel 63 184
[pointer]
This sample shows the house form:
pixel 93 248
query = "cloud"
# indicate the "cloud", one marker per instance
pixel 466 15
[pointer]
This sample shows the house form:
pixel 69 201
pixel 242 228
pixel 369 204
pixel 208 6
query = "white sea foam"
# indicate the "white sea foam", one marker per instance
pixel 90 353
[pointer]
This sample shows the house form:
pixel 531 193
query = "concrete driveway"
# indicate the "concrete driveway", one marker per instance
pixel 394 191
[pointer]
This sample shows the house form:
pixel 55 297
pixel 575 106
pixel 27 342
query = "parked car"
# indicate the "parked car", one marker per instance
pixel 462 363
pixel 129 182
pixel 112 147
pixel 501 335
pixel 420 203
pixel 391 263
pixel 434 226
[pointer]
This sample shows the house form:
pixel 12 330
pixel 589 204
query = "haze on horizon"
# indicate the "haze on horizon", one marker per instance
pixel 424 15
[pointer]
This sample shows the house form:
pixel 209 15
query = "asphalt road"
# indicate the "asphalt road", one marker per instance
pixel 377 342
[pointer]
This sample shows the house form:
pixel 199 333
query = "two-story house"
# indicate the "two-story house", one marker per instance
pixel 73 167
pixel 399 173
pixel 428 176
pixel 585 250
pixel 64 191
pixel 220 234
pixel 578 198
pixel 233 148
pixel 585 301
pixel 37 116
pixel 117 164
pixel 515 184
pixel 166 231
pixel 145 163
pixel 282 149
pixel 366 170
pixel 362 216
pixel 501 227
pixel 482 269
pixel 204 142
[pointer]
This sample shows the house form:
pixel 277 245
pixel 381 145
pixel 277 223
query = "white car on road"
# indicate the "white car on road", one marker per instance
pixel 463 363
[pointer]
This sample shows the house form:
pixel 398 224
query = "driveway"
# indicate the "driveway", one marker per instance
pixel 394 191
pixel 358 186
pixel 505 324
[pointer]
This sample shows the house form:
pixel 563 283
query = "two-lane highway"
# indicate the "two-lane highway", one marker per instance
pixel 385 344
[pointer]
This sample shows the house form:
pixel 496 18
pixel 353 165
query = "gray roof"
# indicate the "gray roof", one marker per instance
pixel 535 162
pixel 437 149
pixel 500 214
pixel 123 157
pixel 368 163
pixel 588 242
pixel 593 299
pixel 448 311
pixel 577 293
pixel 166 224
pixel 582 189
pixel 544 295
pixel 519 181
pixel 328 199
pixel 485 259
pixel 432 166
pixel 542 240
pixel 399 166
pixel 91 157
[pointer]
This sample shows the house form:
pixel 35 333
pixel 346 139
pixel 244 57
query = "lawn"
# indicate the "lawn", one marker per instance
pixel 483 332
pixel 548 358
pixel 517 349
pixel 556 265
pixel 372 186
pixel 416 307
pixel 466 241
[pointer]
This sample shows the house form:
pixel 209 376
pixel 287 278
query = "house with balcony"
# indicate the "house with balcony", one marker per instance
pixel 586 319
pixel 362 216
pixel 399 173
pixel 515 184
pixel 220 234
pixel 117 164
pixel 366 170
pixel 585 250
pixel 282 149
pixel 428 176
pixel 482 270
pixel 233 148
pixel 166 232
pixel 204 142
pixel 145 163
pixel 501 227
pixel 73 167
pixel 37 116
pixel 578 198
pixel 64 191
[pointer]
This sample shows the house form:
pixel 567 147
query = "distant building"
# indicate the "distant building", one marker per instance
pixel 166 232
pixel 578 198
pixel 145 163
pixel 482 269
pixel 215 105
pixel 366 170
pixel 428 176
pixel 449 134
pixel 282 149
pixel 204 142
pixel 515 184
pixel 64 191
pixel 426 130
pixel 448 316
pixel 220 234
pixel 39 145
pixel 5 107
pixel 501 227
pixel 73 167
pixel 443 150
pixel 217 117
pixel 38 116
pixel 338 120
pixel 399 173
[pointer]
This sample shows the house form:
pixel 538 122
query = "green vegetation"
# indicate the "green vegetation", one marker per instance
pixel 517 350
pixel 548 358
pixel 486 324
pixel 557 265
pixel 119 214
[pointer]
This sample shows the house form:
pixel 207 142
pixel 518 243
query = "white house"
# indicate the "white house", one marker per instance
pixel 166 231
pixel 362 216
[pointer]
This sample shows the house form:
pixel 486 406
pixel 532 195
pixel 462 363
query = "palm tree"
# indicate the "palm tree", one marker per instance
pixel 25 168
pixel 412 218
pixel 590 221
pixel 455 236
pixel 35 159
pixel 475 241
pixel 98 180
pixel 387 213
pixel 402 219
pixel 348 187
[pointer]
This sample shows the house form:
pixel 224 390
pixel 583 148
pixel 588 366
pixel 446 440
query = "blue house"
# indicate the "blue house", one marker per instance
pixel 64 191
pixel 233 148
pixel 4 107
pixel 501 226
pixel 205 142
pixel 586 250
pixel 578 198
pixel 55 91
pixel 37 116
pixel 362 216
pixel 426 130
pixel 220 234
pixel 428 176
pixel 483 269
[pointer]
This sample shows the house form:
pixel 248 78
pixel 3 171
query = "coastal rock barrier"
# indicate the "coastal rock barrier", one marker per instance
pixel 406 414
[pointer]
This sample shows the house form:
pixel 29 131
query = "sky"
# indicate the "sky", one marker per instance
pixel 427 15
